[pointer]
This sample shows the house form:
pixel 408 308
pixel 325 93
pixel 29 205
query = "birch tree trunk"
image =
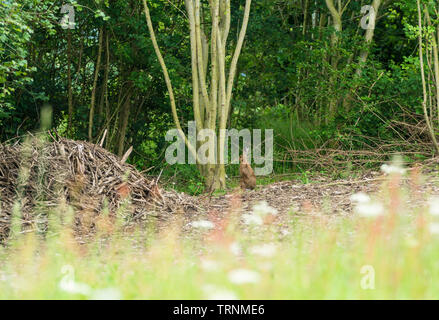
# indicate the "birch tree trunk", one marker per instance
pixel 336 15
pixel 211 105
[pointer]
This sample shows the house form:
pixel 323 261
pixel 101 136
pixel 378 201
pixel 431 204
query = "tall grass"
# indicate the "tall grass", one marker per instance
pixel 390 254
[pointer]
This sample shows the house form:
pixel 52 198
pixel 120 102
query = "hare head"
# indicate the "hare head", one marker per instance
pixel 244 155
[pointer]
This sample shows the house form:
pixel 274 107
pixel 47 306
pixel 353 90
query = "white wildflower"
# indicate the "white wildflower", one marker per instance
pixel 69 285
pixel 252 219
pixel 392 169
pixel 265 250
pixel 369 209
pixel 3 276
pixel 262 209
pixel 106 294
pixel 215 293
pixel 75 288
pixel 411 241
pixel 209 265
pixel 202 224
pixel 434 206
pixel 434 228
pixel 360 197
pixel 243 276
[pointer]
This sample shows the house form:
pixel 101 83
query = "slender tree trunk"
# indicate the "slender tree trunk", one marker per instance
pixel 336 16
pixel 364 54
pixel 107 72
pixel 69 79
pixel 424 85
pixel 167 80
pixel 211 105
pixel 194 59
pixel 227 95
pixel 123 124
pixel 93 92
pixel 434 48
pixel 305 17
pixel 104 90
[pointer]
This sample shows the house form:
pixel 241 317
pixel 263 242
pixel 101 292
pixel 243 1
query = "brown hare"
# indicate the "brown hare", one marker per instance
pixel 248 178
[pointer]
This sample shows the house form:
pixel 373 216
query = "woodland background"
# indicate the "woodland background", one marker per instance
pixel 339 97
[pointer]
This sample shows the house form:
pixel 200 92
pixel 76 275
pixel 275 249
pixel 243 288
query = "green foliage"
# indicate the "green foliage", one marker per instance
pixel 287 78
pixel 184 178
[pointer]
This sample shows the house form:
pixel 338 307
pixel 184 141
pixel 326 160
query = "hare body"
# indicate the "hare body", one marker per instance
pixel 248 178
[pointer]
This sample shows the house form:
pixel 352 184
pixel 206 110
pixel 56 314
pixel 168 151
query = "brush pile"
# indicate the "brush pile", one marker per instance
pixel 42 173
